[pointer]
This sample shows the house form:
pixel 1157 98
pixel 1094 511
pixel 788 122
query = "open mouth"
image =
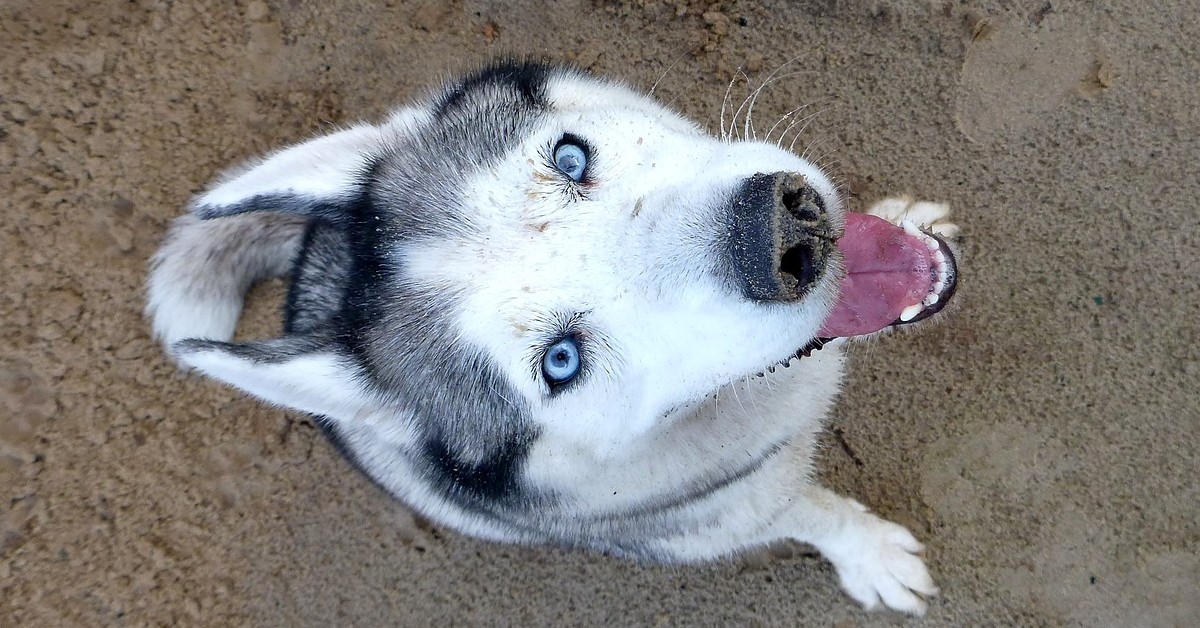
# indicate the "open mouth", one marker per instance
pixel 894 275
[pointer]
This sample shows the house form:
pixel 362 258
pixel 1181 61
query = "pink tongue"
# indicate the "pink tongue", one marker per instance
pixel 887 270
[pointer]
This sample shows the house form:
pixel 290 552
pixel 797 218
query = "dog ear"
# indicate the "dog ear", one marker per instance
pixel 317 178
pixel 297 372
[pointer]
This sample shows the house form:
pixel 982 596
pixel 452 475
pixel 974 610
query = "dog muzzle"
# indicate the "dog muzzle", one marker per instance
pixel 782 240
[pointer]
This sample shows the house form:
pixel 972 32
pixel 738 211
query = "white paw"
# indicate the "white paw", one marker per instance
pixel 877 561
pixel 928 215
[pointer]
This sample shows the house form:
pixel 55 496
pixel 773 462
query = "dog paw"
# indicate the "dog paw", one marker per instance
pixel 878 562
pixel 934 217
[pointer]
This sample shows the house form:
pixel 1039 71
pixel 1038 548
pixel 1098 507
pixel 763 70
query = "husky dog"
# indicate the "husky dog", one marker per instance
pixel 539 307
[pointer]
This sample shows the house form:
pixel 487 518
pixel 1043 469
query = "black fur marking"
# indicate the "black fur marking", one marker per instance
pixel 273 351
pixel 470 420
pixel 316 291
pixel 493 479
pixel 314 299
pixel 476 438
pixel 329 209
pixel 528 79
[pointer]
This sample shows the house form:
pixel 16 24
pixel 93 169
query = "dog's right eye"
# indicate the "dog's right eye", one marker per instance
pixel 561 362
pixel 571 158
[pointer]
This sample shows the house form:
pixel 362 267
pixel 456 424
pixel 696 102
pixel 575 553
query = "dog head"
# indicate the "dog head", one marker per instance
pixel 531 251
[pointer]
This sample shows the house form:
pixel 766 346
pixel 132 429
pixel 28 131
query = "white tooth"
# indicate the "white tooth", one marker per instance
pixel 911 312
pixel 911 229
pixel 930 300
pixel 940 285
pixel 939 258
pixel 932 244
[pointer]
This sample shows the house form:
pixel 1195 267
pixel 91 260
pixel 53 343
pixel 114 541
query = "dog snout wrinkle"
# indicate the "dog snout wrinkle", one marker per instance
pixel 779 236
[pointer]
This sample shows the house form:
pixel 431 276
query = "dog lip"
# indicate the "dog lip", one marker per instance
pixel 807 350
pixel 946 294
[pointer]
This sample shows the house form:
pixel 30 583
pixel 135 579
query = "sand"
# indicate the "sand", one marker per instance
pixel 1042 440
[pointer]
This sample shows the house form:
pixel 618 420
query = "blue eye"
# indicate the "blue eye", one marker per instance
pixel 571 159
pixel 561 362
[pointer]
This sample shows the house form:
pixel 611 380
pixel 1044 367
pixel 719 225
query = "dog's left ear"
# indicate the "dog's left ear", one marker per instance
pixel 297 372
pixel 315 179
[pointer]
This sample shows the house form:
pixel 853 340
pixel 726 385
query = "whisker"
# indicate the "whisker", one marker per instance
pixel 670 103
pixel 829 157
pixel 808 120
pixel 813 144
pixel 780 121
pixel 771 78
pixel 733 388
pixel 662 76
pixel 724 103
pixel 804 122
pixel 829 165
pixel 733 122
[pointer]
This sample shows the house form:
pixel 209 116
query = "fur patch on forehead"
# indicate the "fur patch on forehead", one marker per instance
pixel 524 80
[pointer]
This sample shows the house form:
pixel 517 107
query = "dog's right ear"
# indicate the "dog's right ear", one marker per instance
pixel 315 179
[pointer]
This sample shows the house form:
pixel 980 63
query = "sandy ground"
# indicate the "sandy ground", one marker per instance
pixel 1043 441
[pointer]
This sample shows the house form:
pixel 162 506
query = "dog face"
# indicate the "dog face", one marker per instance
pixel 513 294
pixel 598 264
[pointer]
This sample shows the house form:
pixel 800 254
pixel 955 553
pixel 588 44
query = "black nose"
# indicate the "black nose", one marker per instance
pixel 779 237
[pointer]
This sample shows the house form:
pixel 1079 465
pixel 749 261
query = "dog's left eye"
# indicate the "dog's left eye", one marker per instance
pixel 571 158
pixel 561 362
